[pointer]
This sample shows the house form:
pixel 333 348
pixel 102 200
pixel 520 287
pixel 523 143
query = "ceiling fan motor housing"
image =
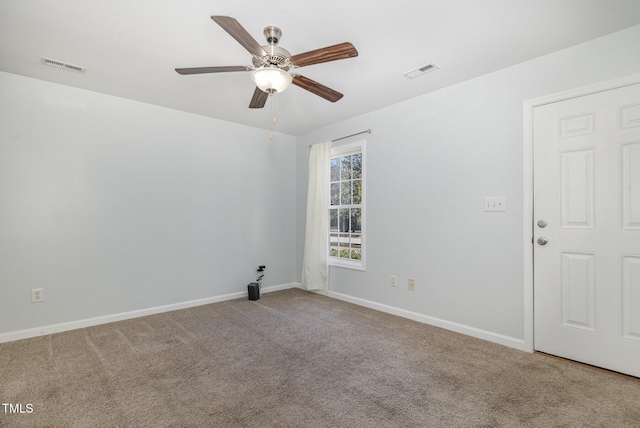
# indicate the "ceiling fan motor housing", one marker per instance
pixel 275 57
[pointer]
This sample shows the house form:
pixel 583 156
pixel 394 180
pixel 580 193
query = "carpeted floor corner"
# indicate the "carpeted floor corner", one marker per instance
pixel 297 359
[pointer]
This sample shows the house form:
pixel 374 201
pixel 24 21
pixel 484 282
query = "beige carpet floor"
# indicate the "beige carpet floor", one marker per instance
pixel 297 359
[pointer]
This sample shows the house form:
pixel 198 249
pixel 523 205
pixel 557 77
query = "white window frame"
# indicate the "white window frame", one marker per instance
pixel 342 150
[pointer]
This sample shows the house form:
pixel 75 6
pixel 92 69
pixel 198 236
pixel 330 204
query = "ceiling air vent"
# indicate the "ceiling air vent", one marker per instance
pixel 62 65
pixel 420 71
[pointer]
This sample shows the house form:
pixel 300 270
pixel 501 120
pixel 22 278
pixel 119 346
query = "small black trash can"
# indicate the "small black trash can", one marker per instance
pixel 254 291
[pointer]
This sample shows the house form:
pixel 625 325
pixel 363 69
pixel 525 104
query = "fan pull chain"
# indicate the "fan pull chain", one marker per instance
pixel 273 109
pixel 273 113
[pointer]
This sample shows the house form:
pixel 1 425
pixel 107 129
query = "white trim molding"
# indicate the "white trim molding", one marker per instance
pixel 511 342
pixel 527 164
pixel 90 322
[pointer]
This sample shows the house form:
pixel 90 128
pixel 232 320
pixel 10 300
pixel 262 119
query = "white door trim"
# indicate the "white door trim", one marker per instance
pixel 528 107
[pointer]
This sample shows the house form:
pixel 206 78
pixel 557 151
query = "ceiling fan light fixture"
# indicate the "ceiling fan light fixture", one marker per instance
pixel 271 79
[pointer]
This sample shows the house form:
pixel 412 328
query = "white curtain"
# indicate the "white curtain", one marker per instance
pixel 316 242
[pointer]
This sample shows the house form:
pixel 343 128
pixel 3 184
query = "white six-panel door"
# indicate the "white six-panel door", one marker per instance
pixel 587 256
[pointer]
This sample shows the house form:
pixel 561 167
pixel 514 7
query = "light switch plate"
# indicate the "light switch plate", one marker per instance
pixel 495 204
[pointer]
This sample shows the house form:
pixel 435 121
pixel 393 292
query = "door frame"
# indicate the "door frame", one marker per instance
pixel 528 106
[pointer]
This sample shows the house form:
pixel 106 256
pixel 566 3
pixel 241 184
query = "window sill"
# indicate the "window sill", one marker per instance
pixel 347 264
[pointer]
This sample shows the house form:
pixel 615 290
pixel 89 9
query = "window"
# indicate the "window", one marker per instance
pixel 346 210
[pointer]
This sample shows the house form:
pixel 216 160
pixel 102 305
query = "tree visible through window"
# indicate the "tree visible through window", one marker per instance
pixel 346 206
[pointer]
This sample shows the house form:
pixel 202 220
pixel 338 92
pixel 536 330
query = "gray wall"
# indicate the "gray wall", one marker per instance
pixel 113 205
pixel 431 162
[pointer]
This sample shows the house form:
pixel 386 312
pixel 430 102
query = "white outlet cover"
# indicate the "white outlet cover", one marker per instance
pixel 37 295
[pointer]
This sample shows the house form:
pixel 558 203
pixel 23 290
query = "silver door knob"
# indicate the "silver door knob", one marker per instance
pixel 542 240
pixel 542 224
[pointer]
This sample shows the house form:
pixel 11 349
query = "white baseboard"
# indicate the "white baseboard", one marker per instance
pixel 89 322
pixel 425 319
pixel 448 325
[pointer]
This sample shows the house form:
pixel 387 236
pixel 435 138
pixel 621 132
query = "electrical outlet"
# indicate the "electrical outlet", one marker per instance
pixel 394 281
pixel 412 284
pixel 37 295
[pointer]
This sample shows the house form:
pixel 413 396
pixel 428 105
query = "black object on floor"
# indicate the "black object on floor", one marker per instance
pixel 254 291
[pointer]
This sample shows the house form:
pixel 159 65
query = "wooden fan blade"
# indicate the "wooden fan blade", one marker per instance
pixel 316 88
pixel 237 31
pixel 330 53
pixel 223 69
pixel 259 98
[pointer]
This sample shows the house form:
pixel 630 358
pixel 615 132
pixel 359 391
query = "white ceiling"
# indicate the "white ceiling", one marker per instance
pixel 131 47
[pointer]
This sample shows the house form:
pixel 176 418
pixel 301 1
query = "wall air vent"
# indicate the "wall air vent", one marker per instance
pixel 62 65
pixel 412 74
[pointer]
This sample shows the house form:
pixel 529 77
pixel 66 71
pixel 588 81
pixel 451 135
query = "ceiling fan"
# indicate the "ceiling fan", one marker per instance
pixel 272 65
